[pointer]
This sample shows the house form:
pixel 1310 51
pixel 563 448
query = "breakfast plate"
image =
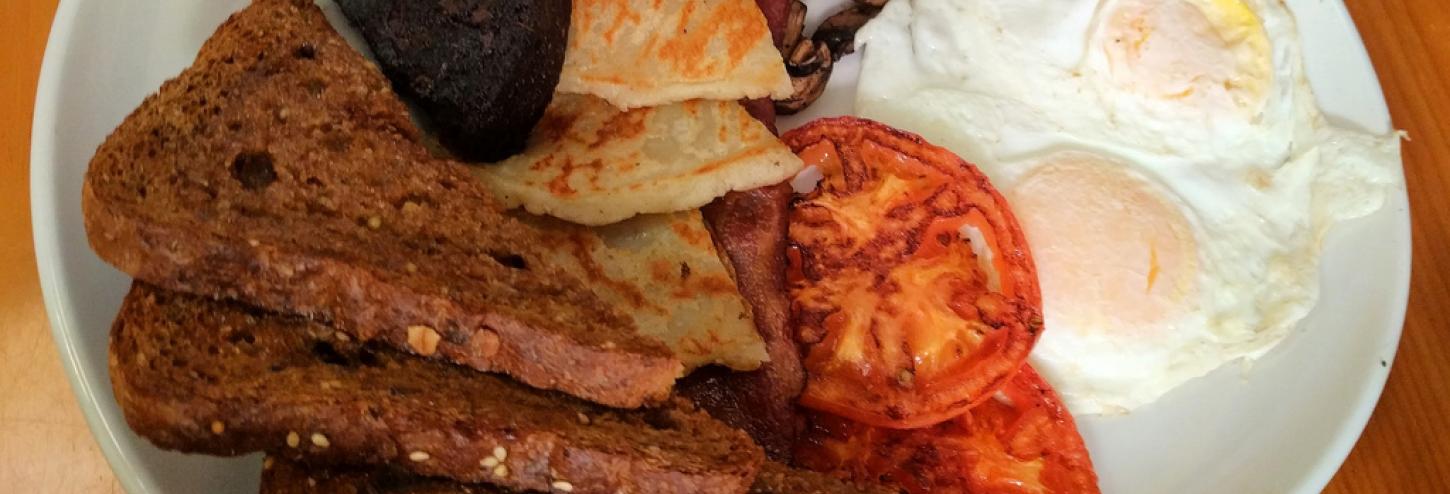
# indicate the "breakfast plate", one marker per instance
pixel 1283 424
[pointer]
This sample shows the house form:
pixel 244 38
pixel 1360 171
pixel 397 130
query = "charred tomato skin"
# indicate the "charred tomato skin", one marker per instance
pixel 906 322
pixel 1021 441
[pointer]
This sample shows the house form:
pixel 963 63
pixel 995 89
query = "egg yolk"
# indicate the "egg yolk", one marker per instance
pixel 1204 53
pixel 1114 254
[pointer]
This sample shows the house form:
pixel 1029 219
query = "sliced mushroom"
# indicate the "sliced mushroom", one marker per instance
pixel 804 59
pixel 795 27
pixel 838 32
pixel 808 87
pixel 810 61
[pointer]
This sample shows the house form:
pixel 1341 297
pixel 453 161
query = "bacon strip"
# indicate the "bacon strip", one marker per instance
pixel 750 227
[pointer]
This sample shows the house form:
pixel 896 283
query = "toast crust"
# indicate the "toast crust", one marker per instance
pixel 204 376
pixel 285 477
pixel 280 476
pixel 281 170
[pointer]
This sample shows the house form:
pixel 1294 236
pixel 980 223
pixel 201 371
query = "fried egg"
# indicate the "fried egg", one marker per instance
pixel 1166 158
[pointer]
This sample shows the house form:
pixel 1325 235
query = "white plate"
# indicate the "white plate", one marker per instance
pixel 1284 426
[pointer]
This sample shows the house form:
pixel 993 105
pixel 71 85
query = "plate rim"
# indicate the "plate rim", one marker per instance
pixel 1329 464
pixel 45 236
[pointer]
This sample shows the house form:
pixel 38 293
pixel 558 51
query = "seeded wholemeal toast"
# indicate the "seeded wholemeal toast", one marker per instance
pixel 215 377
pixel 281 170
pixel 775 478
pixel 280 476
pixel 285 477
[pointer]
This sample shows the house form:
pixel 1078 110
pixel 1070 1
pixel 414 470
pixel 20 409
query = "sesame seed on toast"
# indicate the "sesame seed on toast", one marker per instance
pixel 204 376
pixel 284 477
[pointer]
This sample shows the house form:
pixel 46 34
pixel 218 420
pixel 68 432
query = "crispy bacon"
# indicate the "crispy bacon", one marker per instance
pixel 750 228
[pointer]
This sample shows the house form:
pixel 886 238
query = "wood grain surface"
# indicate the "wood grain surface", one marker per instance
pixel 44 443
pixel 45 446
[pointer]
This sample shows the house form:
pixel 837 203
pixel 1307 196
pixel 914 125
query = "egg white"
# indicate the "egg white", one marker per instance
pixel 1166 157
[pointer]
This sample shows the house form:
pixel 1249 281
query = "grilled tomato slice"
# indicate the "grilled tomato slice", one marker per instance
pixel 1020 441
pixel 911 281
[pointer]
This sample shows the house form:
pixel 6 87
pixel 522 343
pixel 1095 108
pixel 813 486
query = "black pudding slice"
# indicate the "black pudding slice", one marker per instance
pixel 483 70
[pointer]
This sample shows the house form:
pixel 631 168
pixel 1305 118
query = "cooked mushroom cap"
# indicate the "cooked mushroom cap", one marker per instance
pixel 795 26
pixel 810 61
pixel 809 86
pixel 839 31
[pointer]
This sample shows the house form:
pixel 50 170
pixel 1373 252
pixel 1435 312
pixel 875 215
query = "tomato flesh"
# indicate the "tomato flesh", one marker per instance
pixel 911 281
pixel 1020 441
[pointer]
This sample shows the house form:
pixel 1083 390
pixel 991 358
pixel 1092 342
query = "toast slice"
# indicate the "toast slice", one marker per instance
pixel 204 376
pixel 281 170
pixel 280 476
pixel 776 478
pixel 285 477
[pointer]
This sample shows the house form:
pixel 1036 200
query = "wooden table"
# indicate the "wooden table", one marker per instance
pixel 45 446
